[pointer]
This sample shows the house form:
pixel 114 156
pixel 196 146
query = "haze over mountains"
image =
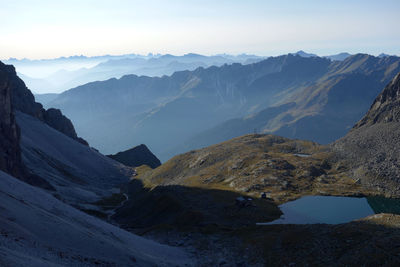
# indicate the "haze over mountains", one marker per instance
pixel 60 74
pixel 295 96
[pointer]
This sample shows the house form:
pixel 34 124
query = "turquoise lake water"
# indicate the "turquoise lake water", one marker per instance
pixel 333 210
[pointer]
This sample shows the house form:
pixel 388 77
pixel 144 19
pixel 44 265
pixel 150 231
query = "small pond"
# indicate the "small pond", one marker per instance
pixel 333 210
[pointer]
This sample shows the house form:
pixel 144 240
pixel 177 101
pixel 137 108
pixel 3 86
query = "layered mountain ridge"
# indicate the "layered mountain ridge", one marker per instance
pixel 311 93
pixel 58 75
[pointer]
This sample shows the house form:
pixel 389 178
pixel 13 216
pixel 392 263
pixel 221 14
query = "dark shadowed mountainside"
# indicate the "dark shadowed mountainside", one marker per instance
pixel 10 153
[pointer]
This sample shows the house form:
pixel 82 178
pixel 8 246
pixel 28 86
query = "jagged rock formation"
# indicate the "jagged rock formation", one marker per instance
pixel 24 101
pixel 10 154
pixel 137 156
pixel 371 148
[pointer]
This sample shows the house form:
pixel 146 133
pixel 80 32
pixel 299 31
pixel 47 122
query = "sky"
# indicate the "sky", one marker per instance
pixel 47 29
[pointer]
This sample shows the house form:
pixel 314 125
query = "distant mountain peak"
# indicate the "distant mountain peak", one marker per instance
pixel 303 54
pixel 192 55
pixel 339 57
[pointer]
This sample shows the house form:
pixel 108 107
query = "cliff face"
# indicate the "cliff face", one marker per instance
pixel 23 100
pixel 10 154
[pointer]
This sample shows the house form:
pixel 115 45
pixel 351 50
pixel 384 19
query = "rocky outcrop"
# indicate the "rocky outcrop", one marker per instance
pixel 137 156
pixel 23 100
pixel 371 148
pixel 386 107
pixel 10 154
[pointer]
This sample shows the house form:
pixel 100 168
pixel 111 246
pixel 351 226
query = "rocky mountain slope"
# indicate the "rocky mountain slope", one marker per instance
pixel 78 173
pixel 371 147
pixel 137 156
pixel 36 229
pixel 182 106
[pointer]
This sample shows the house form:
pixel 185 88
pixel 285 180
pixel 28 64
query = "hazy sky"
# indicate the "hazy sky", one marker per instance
pixel 53 28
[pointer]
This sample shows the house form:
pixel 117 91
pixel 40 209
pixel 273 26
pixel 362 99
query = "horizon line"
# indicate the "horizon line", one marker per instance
pixel 150 54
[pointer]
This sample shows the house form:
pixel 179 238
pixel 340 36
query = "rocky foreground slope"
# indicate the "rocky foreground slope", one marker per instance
pixel 36 229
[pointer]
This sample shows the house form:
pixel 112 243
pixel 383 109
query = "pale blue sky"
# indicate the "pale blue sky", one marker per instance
pixel 53 28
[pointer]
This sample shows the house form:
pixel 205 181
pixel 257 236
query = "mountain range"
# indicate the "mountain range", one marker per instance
pixel 310 98
pixel 58 75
